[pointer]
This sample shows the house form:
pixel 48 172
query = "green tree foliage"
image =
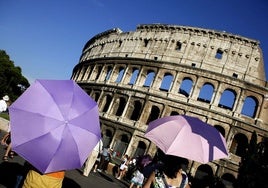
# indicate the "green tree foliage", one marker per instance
pixel 12 82
pixel 253 169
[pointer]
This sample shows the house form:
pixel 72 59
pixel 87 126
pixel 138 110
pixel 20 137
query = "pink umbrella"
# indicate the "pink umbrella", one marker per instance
pixel 54 125
pixel 187 137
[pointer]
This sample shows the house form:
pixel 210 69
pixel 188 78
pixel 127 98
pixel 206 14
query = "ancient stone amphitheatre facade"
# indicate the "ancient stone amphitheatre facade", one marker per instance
pixel 160 70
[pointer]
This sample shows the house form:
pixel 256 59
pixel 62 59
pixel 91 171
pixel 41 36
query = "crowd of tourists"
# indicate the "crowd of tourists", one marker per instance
pixel 142 171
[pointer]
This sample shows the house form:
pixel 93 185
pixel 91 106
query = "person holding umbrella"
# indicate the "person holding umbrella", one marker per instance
pixel 92 158
pixel 36 179
pixel 55 125
pixel 172 174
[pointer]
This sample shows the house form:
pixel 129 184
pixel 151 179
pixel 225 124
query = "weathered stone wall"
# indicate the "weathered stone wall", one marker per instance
pixel 225 61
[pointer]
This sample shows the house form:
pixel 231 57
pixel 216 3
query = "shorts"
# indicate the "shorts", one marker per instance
pixel 136 183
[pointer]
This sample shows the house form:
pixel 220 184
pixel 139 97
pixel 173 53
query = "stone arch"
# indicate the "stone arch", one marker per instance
pixel 106 101
pixel 107 137
pixel 154 114
pixel 137 110
pixel 228 98
pixel 186 86
pixel 250 106
pixel 119 106
pixel 203 175
pixel 82 72
pixel 95 73
pixel 140 150
pixel 228 179
pixel 239 144
pixel 108 73
pixel 206 93
pixel 87 73
pixel 134 76
pixel 149 78
pixel 203 170
pixel 121 144
pixel 121 72
pixel 166 82
pixel 220 129
pixel 89 92
pixel 96 96
pixel 98 72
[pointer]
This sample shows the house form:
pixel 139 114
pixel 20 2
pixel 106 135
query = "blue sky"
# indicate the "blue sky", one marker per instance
pixel 45 38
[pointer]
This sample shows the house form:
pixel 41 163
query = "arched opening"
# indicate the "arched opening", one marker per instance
pixel 107 138
pixel 250 106
pixel 109 72
pixel 186 86
pixel 239 145
pixel 166 82
pixel 154 114
pixel 88 73
pixel 206 93
pixel 149 78
pixel 134 76
pixel 228 180
pixel 98 72
pixel 220 129
pixel 227 99
pixel 120 145
pixel 96 96
pixel 108 100
pixel 203 176
pixel 140 149
pixel 120 75
pixel 120 106
pixel 137 111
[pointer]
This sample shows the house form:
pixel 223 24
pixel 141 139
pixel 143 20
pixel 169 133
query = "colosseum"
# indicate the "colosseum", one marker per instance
pixel 161 70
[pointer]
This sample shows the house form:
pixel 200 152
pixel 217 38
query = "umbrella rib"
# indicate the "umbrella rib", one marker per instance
pixel 51 96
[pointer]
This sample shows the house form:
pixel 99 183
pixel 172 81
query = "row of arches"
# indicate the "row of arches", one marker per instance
pixel 170 81
pixel 134 109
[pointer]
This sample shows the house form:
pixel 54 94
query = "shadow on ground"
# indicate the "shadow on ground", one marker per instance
pixel 69 183
pixel 9 172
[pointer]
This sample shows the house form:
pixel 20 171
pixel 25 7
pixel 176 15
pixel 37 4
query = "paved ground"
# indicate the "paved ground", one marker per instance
pixel 73 178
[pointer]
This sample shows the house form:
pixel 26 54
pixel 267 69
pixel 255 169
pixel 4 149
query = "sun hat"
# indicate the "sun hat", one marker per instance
pixel 6 98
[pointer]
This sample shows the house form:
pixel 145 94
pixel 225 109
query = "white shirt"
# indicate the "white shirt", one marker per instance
pixel 98 147
pixel 3 106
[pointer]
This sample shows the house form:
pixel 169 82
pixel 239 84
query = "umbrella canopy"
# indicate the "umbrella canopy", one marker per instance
pixel 144 160
pixel 187 137
pixel 54 125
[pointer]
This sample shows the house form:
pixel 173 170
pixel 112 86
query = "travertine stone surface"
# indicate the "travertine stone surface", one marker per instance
pixel 124 73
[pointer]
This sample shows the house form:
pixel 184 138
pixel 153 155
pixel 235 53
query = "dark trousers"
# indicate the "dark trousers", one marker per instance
pixel 103 163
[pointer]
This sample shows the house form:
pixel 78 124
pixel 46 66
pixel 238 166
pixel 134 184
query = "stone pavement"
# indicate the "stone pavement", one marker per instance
pixel 3 124
pixel 73 178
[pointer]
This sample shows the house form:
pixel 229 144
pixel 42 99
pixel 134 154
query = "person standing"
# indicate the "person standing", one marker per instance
pixel 6 141
pixel 137 176
pixel 104 159
pixel 172 174
pixel 123 167
pixel 3 103
pixel 92 158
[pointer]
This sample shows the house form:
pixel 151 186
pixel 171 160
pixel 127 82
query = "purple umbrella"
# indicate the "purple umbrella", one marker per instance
pixel 144 160
pixel 54 125
pixel 187 137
